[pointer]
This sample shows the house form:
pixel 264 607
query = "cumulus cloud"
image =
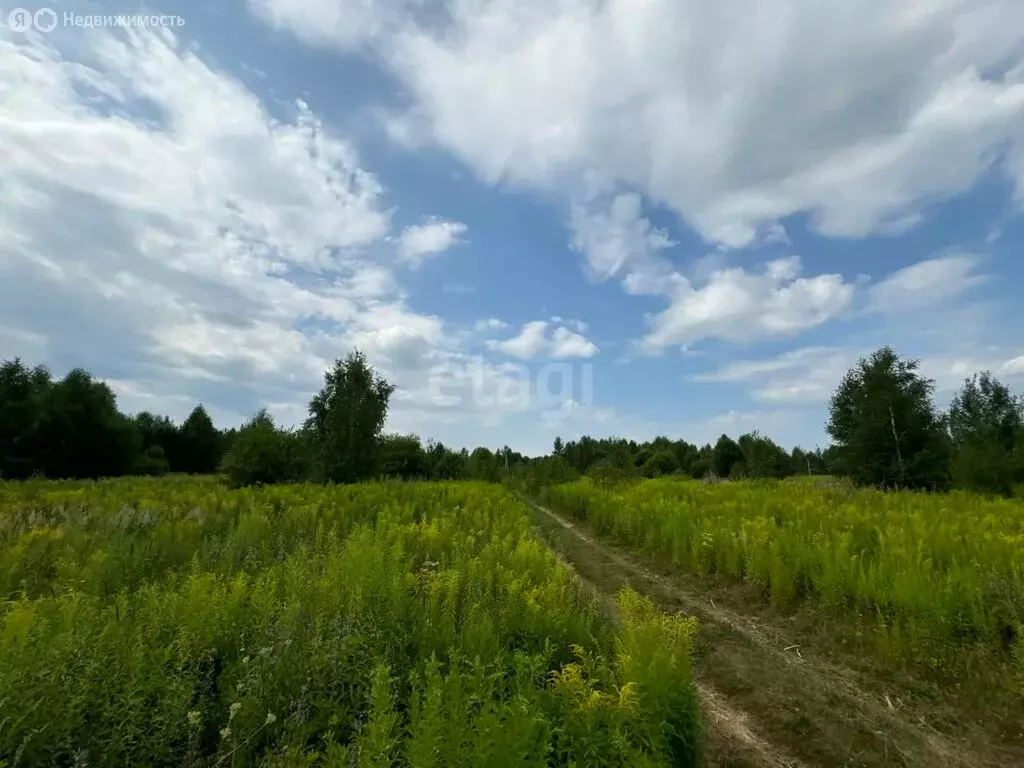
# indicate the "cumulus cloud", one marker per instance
pixel 738 305
pixel 810 375
pixel 618 241
pixel 534 341
pixel 421 241
pixel 349 24
pixel 160 228
pixel 490 324
pixel 1014 367
pixel 925 283
pixel 734 118
pixel 157 219
pixel 807 375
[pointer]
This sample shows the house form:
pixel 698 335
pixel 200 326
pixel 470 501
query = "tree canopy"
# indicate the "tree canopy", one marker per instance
pixel 884 425
pixel 346 418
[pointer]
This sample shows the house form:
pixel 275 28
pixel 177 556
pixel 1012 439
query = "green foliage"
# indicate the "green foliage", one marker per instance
pixel 262 454
pixel 607 471
pixel 346 418
pixel 199 443
pixel 175 622
pixel 484 465
pixel 726 455
pixel 151 461
pixel 663 462
pixel 935 581
pixel 402 456
pixel 22 405
pixel 81 433
pixel 885 426
pixel 762 458
pixel 72 428
pixel 986 426
pixel 531 477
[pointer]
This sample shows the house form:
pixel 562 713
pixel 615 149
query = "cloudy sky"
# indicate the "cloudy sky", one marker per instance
pixel 538 217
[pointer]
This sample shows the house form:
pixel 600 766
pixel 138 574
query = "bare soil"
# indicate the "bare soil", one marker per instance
pixel 776 693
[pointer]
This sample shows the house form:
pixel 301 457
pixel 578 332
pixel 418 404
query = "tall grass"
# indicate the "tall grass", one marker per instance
pixel 170 622
pixel 937 580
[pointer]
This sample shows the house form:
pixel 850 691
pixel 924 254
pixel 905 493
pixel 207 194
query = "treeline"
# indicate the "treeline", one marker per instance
pixel 751 456
pixel 71 428
pixel 885 428
pixel 886 431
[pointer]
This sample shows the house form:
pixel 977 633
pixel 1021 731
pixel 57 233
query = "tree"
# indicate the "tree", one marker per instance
pixel 151 461
pixel 402 456
pixel 762 457
pixel 663 462
pixel 442 463
pixel 558 447
pixel 986 428
pixel 23 393
pixel 199 443
pixel 346 418
pixel 885 427
pixel 725 455
pixel 81 433
pixel 483 465
pixel 261 453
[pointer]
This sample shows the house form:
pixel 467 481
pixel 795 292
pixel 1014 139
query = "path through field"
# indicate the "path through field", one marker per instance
pixel 768 699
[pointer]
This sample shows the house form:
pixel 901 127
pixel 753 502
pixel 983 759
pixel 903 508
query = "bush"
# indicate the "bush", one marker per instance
pixel 263 454
pixel 152 461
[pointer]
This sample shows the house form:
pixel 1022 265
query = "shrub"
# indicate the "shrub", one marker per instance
pixel 262 454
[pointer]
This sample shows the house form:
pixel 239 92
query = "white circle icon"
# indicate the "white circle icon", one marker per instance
pixel 20 20
pixel 45 19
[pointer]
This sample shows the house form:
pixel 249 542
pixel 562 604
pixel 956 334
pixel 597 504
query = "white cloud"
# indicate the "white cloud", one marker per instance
pixel 949 370
pixel 732 117
pixel 1014 367
pixel 200 249
pixel 490 324
pixel 344 23
pixel 810 375
pixel 926 283
pixel 30 347
pixel 528 344
pixel 533 341
pixel 738 305
pixel 618 241
pixel 566 343
pixel 420 241
pixel 719 301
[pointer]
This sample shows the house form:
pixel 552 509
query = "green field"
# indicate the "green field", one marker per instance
pixel 934 581
pixel 175 622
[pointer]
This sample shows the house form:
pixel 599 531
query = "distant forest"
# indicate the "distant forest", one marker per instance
pixel 883 423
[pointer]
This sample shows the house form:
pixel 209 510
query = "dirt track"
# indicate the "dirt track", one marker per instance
pixel 768 699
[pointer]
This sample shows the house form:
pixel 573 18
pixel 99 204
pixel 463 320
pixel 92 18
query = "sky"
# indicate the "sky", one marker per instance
pixel 535 217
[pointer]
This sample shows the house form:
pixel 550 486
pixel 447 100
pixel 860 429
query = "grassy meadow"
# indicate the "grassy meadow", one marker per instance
pixel 935 581
pixel 176 622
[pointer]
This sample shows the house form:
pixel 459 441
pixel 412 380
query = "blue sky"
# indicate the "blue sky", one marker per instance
pixel 538 218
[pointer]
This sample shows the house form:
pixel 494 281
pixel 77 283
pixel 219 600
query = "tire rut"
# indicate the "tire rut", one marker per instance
pixel 859 716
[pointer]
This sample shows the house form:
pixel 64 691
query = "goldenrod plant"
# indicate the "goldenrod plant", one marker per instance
pixel 177 622
pixel 935 580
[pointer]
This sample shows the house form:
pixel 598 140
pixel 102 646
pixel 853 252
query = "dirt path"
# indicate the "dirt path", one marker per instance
pixel 769 700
